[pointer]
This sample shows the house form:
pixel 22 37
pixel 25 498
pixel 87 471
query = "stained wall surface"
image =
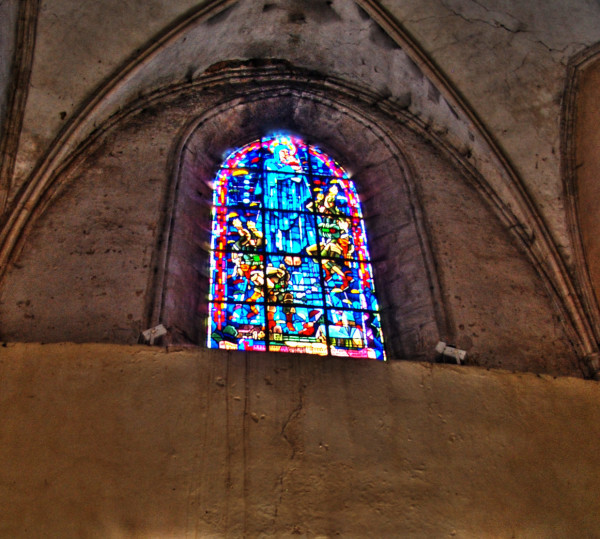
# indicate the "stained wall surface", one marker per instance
pixel 97 243
pixel 106 208
pixel 507 58
pixel 512 70
pixel 115 441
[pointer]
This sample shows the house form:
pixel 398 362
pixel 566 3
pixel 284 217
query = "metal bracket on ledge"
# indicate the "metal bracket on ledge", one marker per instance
pixel 449 351
pixel 150 335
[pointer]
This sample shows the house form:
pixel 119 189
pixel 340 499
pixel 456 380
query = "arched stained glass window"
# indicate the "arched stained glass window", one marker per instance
pixel 290 267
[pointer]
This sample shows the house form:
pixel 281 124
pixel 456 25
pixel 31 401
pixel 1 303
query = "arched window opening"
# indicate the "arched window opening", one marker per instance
pixel 290 267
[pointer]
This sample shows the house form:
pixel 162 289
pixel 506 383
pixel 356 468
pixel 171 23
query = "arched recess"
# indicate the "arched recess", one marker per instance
pixel 445 266
pixel 581 169
pixel 413 315
pixel 401 77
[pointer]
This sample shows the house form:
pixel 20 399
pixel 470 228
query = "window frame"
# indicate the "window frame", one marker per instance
pixel 250 189
pixel 411 303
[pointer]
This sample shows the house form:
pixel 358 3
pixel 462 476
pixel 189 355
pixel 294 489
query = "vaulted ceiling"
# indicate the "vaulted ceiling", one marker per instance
pixel 481 81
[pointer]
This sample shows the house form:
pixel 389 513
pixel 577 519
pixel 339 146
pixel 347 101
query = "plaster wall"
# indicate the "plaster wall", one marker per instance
pixel 507 58
pixel 88 265
pixel 116 441
pixel 78 45
pixel 107 440
pixel 335 38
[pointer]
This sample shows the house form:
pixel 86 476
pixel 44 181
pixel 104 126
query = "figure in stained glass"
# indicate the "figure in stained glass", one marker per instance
pixel 287 190
pixel 249 238
pixel 290 269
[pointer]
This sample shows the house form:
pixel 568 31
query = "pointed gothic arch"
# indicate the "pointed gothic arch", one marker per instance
pixel 420 208
pixel 580 165
pixel 449 119
pixel 413 316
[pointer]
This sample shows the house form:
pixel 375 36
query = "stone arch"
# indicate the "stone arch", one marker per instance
pixel 581 167
pixel 438 267
pixel 447 118
pixel 413 316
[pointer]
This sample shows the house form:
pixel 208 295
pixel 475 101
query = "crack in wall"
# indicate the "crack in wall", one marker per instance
pixel 495 23
pixel 518 27
pixel 292 439
pixel 292 417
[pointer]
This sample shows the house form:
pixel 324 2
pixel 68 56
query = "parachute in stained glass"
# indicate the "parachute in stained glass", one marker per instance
pixel 290 267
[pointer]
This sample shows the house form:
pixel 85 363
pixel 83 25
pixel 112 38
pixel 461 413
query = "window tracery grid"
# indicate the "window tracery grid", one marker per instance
pixel 290 268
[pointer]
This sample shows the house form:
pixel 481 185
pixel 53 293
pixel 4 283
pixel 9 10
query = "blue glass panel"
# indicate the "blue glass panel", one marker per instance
pixel 296 329
pixel 248 157
pixel 219 226
pixel 285 153
pixel 301 244
pixel 337 238
pixel 289 232
pixel 237 326
pixel 341 237
pixel 355 334
pixel 285 175
pixel 238 188
pixel 293 279
pixel 286 191
pixel 334 196
pixel 359 240
pixel 323 165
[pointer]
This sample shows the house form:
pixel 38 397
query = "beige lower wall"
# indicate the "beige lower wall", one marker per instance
pixel 116 441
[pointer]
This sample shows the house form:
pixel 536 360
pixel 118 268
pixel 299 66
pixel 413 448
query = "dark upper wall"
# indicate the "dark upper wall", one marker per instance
pixel 587 168
pixel 88 268
pixel 8 31
pixel 507 58
pixel 361 51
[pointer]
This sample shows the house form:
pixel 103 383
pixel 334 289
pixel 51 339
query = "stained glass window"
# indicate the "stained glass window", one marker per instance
pixel 290 267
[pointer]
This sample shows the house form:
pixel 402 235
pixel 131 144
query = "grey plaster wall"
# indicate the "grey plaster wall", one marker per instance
pixel 78 45
pixel 94 247
pixel 507 58
pixel 349 42
pixel 499 308
pixel 331 38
